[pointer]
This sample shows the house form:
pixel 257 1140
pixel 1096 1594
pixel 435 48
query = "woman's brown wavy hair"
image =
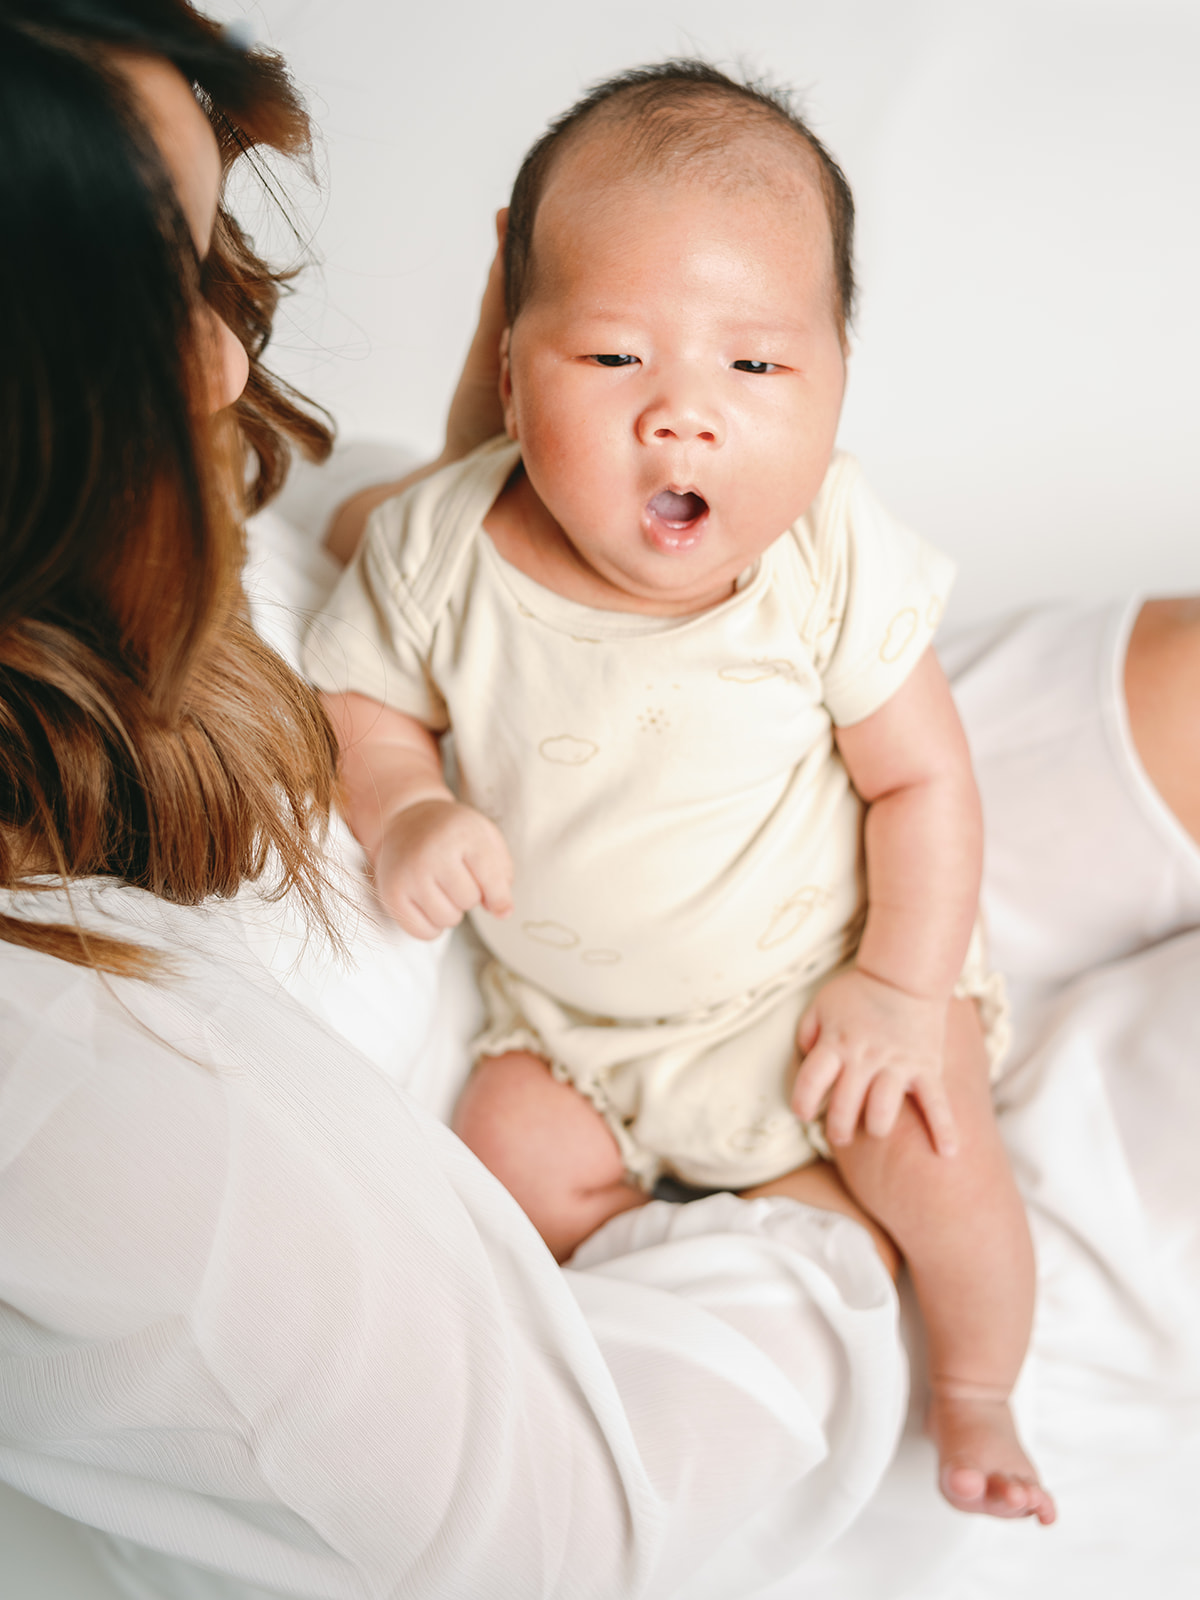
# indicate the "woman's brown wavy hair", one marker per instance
pixel 146 733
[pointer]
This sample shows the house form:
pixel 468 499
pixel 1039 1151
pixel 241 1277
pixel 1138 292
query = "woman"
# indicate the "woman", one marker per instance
pixel 261 1320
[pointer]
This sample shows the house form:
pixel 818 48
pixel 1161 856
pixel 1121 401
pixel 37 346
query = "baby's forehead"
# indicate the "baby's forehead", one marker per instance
pixel 608 159
pixel 749 196
pixel 751 251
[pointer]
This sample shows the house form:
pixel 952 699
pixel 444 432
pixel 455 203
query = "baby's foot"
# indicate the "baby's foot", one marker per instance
pixel 981 1466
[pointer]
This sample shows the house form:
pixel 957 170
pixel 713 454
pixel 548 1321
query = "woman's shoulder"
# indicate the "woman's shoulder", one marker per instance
pixel 204 995
pixel 182 940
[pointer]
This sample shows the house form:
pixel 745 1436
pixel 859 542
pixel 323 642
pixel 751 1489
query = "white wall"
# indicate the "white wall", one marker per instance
pixel 1024 386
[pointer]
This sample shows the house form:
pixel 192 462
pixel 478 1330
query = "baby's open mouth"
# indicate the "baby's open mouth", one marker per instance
pixel 677 510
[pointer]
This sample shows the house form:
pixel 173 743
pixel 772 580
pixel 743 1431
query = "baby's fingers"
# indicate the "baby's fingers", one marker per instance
pixel 845 1106
pixel 456 890
pixel 490 866
pixel 425 901
pixel 930 1095
pixel 817 1075
pixel 807 1030
pixel 413 916
pixel 884 1099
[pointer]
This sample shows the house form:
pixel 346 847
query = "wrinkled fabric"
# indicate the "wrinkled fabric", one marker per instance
pixel 261 1313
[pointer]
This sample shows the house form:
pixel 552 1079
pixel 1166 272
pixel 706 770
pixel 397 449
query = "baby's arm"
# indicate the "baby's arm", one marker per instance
pixel 433 857
pixel 875 1033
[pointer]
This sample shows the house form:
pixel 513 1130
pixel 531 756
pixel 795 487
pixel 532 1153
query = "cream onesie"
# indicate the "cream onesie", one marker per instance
pixel 686 843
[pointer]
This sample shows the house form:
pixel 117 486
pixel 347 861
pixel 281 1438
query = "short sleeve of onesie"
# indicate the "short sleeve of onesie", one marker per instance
pixel 883 591
pixel 373 637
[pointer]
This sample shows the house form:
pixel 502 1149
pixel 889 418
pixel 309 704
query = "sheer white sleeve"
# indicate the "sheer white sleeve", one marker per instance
pixel 264 1319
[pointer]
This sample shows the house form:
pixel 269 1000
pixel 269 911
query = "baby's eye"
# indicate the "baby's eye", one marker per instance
pixel 754 366
pixel 615 361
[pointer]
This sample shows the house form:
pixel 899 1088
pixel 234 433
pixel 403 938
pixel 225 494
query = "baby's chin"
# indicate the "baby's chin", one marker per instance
pixel 670 588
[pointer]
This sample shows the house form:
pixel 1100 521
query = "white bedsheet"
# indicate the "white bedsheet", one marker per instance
pixel 1100 1112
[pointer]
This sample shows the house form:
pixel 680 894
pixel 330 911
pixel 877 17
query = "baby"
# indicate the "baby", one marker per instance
pixel 715 813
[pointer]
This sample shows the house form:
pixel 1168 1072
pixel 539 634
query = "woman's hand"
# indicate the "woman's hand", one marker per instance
pixel 475 414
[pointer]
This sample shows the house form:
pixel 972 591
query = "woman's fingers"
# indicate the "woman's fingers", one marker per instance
pixel 493 315
pixel 475 411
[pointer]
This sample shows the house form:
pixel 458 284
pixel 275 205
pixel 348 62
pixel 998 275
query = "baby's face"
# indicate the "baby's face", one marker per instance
pixel 676 375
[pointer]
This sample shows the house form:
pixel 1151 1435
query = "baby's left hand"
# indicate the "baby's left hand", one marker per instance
pixel 866 1045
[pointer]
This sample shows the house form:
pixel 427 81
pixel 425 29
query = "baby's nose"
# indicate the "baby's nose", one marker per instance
pixel 681 419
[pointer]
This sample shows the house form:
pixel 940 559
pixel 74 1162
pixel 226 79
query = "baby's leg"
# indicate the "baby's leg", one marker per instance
pixel 550 1148
pixel 961 1227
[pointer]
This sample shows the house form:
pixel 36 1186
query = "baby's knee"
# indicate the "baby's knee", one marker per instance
pixel 549 1147
pixel 532 1131
pixel 501 1103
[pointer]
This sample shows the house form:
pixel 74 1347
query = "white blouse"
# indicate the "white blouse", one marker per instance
pixel 265 1322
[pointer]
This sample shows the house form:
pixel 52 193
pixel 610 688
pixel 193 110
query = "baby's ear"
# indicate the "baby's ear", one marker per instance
pixel 506 391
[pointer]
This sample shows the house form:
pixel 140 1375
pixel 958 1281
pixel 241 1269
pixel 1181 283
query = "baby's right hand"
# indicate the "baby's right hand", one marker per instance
pixel 438 859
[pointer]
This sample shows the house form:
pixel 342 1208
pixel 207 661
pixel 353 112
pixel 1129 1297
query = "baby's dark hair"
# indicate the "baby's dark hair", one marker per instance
pixel 675 112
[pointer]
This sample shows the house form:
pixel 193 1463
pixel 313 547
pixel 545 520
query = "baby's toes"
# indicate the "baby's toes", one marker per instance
pixel 1043 1507
pixel 1010 1496
pixel 964 1486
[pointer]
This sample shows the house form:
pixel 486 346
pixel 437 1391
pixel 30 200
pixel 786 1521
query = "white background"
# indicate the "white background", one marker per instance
pixel 1024 385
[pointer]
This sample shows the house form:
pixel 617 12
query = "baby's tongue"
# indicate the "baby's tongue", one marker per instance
pixel 672 507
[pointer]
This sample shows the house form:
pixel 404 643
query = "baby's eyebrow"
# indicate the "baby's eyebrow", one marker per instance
pixel 756 328
pixel 607 313
pixel 635 317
